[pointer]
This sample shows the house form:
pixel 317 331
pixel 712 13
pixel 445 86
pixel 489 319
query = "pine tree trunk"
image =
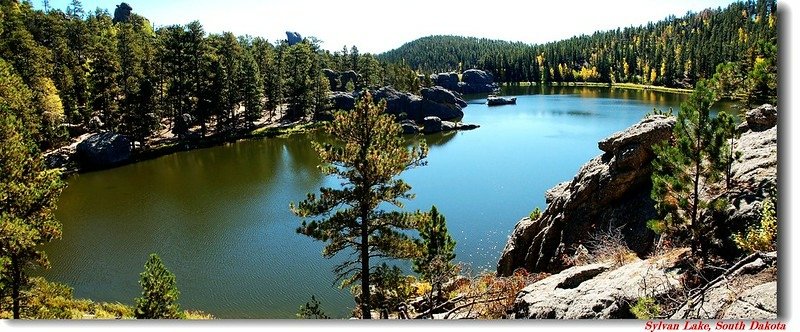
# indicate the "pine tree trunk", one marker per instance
pixel 365 307
pixel 695 203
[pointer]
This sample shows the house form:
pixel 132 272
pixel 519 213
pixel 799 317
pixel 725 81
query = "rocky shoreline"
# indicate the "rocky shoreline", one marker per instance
pixel 612 192
pixel 435 110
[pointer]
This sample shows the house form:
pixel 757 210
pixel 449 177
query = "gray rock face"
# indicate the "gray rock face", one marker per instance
pixel 342 101
pixel 472 81
pixel 762 118
pixel 440 110
pixel 409 127
pixel 431 124
pixel 412 109
pixel 612 191
pixel 754 175
pixel 448 81
pixel 333 78
pixel 122 13
pixel 293 38
pixel 748 290
pixel 436 102
pixel 60 158
pixel 399 102
pixel 441 95
pixel 477 81
pixel 104 150
pixel 339 80
pixel 599 290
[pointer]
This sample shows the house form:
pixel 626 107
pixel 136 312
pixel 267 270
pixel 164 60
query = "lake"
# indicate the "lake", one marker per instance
pixel 220 220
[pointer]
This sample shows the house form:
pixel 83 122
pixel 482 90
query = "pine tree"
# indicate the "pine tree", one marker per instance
pixel 683 168
pixel 298 63
pixel 368 160
pixel 437 246
pixel 103 77
pixel 252 87
pixel 28 196
pixel 197 55
pixel 229 51
pixel 159 298
pixel 136 55
pixel 274 82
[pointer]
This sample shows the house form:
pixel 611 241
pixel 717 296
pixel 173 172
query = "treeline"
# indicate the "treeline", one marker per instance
pixel 674 52
pixel 72 71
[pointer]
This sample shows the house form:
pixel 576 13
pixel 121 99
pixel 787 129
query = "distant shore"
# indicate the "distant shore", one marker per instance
pixel 629 86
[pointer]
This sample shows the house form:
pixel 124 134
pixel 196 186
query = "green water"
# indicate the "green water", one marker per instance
pixel 219 217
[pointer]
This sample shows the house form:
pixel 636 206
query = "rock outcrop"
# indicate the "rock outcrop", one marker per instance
pixel 477 81
pixel 398 103
pixel 293 38
pixel 104 150
pixel 409 127
pixel 600 290
pixel 762 118
pixel 431 124
pixel 448 81
pixel 747 290
pixel 754 175
pixel 472 81
pixel 612 191
pixel 435 101
pixel 436 110
pixel 339 80
pixel 122 13
pixel 342 100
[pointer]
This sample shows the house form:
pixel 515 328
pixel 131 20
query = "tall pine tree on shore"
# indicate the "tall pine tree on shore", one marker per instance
pixel 28 196
pixel 368 159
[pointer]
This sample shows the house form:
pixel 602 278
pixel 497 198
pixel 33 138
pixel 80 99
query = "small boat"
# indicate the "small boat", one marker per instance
pixel 493 100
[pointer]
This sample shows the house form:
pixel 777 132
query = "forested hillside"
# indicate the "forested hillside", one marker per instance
pixel 73 71
pixel 674 52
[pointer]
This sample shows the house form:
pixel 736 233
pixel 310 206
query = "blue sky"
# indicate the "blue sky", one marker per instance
pixel 377 26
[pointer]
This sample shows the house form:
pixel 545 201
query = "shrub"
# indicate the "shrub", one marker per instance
pixel 312 310
pixel 760 237
pixel 609 246
pixel 646 308
pixel 535 214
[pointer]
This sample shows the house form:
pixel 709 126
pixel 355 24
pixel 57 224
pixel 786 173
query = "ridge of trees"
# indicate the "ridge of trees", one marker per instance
pixel 72 71
pixel 674 52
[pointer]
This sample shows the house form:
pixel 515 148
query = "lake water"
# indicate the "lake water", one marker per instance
pixel 220 220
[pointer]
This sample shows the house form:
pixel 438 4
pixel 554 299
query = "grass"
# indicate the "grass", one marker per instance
pixel 633 86
pixel 52 300
pixel 284 130
pixel 629 86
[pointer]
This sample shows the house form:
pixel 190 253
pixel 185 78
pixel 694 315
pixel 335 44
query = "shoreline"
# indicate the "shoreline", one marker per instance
pixel 627 86
pixel 167 146
pixel 163 146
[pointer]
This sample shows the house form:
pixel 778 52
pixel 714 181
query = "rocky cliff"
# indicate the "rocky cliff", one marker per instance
pixel 612 192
